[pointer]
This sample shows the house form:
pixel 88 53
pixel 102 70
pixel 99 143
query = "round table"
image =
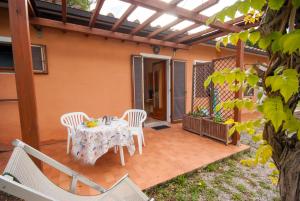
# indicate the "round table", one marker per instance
pixel 91 143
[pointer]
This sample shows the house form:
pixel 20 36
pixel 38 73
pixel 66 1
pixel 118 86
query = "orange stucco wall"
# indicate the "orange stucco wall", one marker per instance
pixel 87 74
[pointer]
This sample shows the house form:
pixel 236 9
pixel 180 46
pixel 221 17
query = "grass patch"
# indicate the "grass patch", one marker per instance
pixel 237 197
pixel 241 188
pixel 212 167
pixel 264 185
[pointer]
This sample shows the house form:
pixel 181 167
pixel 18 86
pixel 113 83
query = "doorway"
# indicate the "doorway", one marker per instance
pixel 155 89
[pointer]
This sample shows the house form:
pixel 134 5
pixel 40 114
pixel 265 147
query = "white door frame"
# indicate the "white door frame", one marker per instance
pixel 168 59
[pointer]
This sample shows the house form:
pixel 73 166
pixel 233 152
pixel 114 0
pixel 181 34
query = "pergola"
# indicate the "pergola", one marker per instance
pixel 23 13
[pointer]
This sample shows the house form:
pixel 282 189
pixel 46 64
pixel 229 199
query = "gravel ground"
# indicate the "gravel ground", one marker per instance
pixel 226 180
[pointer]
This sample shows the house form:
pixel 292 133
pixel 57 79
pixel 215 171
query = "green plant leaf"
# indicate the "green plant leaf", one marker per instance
pixel 258 4
pixel 230 11
pixel 211 20
pixel 252 80
pixel 296 3
pixel 229 122
pixel 244 35
pixel 291 42
pixel 234 38
pixel 264 43
pixel 276 4
pixel 273 111
pixel 287 83
pixel 254 37
pixel 225 41
pixel 243 7
pixel 207 81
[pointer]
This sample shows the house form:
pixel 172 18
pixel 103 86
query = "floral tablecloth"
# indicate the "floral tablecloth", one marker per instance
pixel 91 143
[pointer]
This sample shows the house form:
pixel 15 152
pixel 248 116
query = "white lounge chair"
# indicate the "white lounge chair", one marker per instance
pixel 23 179
pixel 135 120
pixel 71 121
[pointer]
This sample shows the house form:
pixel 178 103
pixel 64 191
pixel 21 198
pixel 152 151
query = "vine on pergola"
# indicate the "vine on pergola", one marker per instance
pixel 278 34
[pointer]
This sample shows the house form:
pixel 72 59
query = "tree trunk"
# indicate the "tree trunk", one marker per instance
pixel 286 156
pixel 289 178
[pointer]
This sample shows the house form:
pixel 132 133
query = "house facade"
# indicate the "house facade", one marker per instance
pixel 98 76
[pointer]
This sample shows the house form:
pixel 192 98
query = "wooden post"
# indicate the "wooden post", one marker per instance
pixel 19 27
pixel 239 94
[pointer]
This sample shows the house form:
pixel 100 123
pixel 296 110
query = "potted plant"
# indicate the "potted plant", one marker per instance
pixel 193 120
pixel 214 127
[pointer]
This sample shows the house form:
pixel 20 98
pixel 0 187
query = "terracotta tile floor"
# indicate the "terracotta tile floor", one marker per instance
pixel 168 153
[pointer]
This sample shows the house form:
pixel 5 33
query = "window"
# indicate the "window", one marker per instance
pixel 38 58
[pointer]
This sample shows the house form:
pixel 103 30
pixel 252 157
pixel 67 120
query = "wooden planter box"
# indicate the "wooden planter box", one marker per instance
pixel 215 130
pixel 192 124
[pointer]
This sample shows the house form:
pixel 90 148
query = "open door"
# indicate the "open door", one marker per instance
pixel 159 91
pixel 137 82
pixel 178 90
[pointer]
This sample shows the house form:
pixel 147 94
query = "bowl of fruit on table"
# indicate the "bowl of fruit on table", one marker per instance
pixel 91 123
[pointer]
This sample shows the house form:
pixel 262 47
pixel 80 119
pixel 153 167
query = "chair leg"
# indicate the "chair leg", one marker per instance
pixel 122 156
pixel 68 144
pixel 140 143
pixel 144 143
pixel 115 149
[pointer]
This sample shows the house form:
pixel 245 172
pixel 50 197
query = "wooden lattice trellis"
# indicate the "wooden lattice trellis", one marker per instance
pixel 201 96
pixel 208 98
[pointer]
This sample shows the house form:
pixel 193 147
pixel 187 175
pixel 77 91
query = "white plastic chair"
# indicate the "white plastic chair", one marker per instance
pixel 23 179
pixel 71 121
pixel 135 120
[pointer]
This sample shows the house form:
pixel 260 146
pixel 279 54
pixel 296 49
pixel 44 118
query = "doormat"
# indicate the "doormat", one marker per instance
pixel 160 127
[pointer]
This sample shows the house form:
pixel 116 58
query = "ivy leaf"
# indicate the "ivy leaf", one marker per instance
pixel 230 11
pixel 258 4
pixel 296 3
pixel 225 41
pixel 252 80
pixel 276 4
pixel 287 83
pixel 291 42
pixel 234 38
pixel 244 36
pixel 229 122
pixel 273 111
pixel 264 43
pixel 254 37
pixel 243 7
pixel 207 81
pixel 211 20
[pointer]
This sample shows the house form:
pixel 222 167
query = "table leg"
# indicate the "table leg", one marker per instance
pixel 122 156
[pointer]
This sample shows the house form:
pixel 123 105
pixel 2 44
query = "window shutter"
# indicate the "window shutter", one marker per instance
pixel 137 82
pixel 178 89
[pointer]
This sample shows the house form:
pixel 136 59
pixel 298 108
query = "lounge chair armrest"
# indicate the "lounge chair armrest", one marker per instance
pixel 55 164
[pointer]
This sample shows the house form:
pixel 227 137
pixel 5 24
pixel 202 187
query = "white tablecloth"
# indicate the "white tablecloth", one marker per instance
pixel 91 143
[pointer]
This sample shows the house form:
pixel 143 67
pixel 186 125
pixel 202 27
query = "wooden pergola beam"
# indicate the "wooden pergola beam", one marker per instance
pixel 240 54
pixel 168 26
pixel 103 33
pixel 153 17
pixel 96 13
pixel 21 45
pixel 196 35
pixel 64 10
pixel 120 21
pixel 31 8
pixel 176 33
pixel 183 13
pixel 146 23
pixel 205 5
